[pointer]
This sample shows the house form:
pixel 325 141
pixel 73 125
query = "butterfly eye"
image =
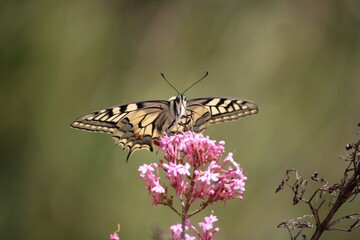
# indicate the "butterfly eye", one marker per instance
pixel 183 98
pixel 180 99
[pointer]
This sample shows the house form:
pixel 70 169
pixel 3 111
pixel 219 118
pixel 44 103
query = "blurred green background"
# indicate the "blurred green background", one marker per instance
pixel 298 60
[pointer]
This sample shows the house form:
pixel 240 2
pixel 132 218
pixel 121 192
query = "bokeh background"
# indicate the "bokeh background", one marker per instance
pixel 298 60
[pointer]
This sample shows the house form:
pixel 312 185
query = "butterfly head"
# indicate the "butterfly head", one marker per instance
pixel 178 105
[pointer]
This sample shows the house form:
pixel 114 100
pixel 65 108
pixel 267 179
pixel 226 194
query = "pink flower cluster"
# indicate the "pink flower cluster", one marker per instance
pixel 195 169
pixel 206 234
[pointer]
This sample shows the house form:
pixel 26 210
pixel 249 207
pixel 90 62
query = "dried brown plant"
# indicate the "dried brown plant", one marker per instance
pixel 337 194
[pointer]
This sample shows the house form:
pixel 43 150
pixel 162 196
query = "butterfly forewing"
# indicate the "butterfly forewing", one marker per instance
pixel 223 109
pixel 139 125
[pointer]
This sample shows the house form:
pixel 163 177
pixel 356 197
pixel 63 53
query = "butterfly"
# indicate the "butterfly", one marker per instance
pixel 139 125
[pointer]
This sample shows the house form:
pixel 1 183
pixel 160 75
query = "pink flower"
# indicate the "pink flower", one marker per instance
pixel 206 232
pixel 209 175
pixel 176 231
pixel 114 236
pixel 188 237
pixel 145 168
pixel 208 223
pixel 183 169
pixel 150 175
pixel 175 169
pixel 206 226
pixel 157 188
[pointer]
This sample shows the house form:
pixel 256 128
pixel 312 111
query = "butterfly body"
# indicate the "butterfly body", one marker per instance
pixel 139 125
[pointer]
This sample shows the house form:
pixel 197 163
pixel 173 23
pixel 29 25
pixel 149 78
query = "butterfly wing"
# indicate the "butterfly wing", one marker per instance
pixel 211 110
pixel 133 126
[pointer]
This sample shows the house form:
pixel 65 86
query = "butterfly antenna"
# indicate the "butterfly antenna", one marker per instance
pixel 169 83
pixel 207 73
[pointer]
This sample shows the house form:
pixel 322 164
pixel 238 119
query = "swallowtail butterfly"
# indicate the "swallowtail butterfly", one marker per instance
pixel 139 125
